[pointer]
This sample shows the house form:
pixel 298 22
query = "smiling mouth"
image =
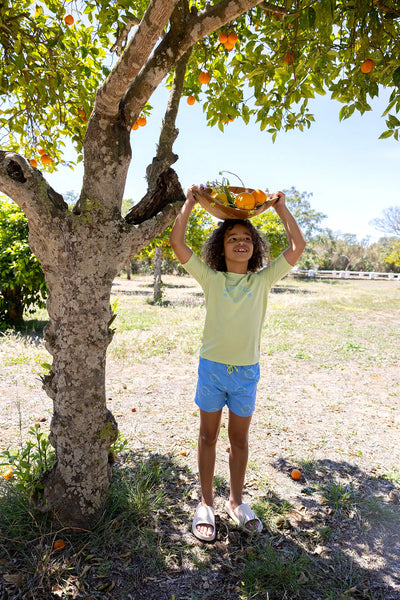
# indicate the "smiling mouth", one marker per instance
pixel 241 250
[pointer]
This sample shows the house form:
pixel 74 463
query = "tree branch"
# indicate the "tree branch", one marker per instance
pixel 278 10
pixel 167 189
pixel 147 231
pixel 172 47
pixel 28 188
pixel 121 38
pixel 165 156
pixel 137 51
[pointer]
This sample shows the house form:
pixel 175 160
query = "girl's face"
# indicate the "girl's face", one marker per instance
pixel 238 248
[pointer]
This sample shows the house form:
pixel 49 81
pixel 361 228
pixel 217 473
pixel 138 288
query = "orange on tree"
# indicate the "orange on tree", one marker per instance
pixel 142 121
pixel 33 162
pixel 191 100
pixel 46 160
pixel 245 200
pixel 69 19
pixel 204 77
pixel 41 151
pixel 367 65
pixel 135 126
pixel 223 37
pixel 259 196
pixel 289 58
pixel 232 38
pixel 229 46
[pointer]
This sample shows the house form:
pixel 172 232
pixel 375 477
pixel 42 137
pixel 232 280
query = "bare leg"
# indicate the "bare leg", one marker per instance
pixel 238 430
pixel 206 454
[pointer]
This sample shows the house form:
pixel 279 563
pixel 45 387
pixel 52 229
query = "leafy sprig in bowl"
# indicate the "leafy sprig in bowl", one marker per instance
pixel 224 201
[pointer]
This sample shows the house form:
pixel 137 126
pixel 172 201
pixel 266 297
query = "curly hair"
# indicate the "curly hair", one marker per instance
pixel 213 248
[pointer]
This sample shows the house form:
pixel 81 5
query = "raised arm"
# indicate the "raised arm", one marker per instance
pixel 297 242
pixel 177 237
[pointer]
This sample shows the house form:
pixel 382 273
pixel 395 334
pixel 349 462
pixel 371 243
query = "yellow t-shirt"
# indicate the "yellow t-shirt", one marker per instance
pixel 236 306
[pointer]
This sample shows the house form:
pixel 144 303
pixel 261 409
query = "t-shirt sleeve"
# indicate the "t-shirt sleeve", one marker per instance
pixel 276 270
pixel 198 270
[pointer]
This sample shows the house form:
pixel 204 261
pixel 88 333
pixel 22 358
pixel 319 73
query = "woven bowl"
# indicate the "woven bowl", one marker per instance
pixel 221 211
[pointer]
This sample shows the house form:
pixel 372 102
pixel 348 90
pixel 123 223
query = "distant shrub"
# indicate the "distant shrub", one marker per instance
pixel 22 284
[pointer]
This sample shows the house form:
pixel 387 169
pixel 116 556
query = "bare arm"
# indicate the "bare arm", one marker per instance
pixel 297 242
pixel 177 237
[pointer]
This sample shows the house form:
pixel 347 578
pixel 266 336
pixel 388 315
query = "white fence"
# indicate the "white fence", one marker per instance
pixel 314 273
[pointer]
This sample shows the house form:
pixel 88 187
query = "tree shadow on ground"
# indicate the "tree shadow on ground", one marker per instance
pixel 140 292
pixel 143 548
pixel 31 329
pixel 358 517
pixel 277 289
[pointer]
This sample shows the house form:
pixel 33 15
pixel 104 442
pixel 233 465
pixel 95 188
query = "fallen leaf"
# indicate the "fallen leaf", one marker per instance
pixel 57 590
pixel 14 578
pixel 302 578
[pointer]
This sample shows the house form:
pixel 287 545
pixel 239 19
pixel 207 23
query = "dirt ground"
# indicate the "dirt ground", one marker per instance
pixel 334 424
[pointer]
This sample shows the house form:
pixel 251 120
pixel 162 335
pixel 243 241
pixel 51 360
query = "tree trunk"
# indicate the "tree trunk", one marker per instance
pixel 77 336
pixel 157 275
pixel 14 306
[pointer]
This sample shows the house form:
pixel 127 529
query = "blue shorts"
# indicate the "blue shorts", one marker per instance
pixel 234 386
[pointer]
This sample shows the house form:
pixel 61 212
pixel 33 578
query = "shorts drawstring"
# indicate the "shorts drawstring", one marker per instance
pixel 230 368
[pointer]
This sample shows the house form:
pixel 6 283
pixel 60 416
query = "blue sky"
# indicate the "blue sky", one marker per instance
pixel 351 174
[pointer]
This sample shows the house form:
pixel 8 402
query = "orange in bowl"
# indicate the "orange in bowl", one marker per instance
pixel 245 200
pixel 259 196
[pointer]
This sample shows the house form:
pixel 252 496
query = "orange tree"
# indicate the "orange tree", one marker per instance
pixel 199 227
pixel 22 284
pixel 90 78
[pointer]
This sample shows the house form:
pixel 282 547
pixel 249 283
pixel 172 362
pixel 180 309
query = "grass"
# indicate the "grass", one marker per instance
pixel 347 318
pixel 312 529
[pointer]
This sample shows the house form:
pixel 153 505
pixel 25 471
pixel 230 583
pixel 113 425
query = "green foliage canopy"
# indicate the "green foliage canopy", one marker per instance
pixel 51 70
pixel 283 58
pixel 394 256
pixel 22 284
pixel 199 228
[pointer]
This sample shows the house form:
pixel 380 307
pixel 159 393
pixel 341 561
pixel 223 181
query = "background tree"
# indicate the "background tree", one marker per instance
pixel 308 218
pixel 58 80
pixel 393 258
pixel 22 284
pixel 331 251
pixel 389 222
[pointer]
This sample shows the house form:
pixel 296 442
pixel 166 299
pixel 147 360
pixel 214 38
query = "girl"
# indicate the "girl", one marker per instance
pixel 236 287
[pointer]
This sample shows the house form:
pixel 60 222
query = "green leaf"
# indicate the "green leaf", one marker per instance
pixel 312 15
pixel 393 121
pixel 396 77
pixel 386 134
